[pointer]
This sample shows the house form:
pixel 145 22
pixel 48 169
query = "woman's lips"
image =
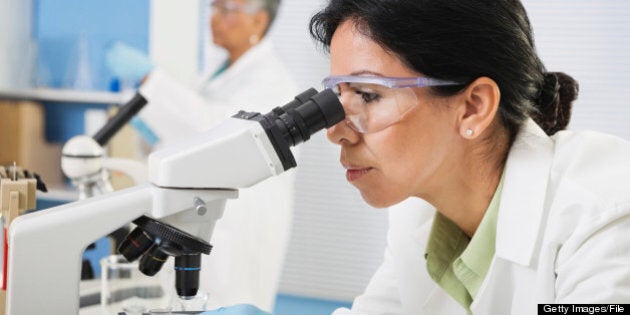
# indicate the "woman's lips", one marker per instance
pixel 352 174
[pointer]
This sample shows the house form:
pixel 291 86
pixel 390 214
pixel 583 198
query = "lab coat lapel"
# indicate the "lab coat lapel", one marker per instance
pixel 243 64
pixel 523 197
pixel 519 225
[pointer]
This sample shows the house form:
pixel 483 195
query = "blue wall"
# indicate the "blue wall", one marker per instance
pixel 59 24
pixel 58 27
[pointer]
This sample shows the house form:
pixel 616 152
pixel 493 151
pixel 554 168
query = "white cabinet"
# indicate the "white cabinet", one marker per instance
pixel 16 47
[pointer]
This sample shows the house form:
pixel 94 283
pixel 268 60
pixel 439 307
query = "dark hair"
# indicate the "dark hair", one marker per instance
pixel 271 7
pixel 462 40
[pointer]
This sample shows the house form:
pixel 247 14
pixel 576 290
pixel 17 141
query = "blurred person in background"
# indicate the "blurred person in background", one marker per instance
pixel 250 240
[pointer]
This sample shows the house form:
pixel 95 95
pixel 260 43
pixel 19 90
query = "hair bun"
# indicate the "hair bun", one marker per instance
pixel 557 94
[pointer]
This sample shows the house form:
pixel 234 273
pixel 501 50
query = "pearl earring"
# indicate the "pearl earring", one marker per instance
pixel 469 132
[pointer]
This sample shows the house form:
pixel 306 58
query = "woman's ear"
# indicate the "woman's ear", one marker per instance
pixel 261 22
pixel 481 102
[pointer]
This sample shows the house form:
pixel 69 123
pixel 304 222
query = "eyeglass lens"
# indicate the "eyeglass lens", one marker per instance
pixel 226 7
pixel 373 107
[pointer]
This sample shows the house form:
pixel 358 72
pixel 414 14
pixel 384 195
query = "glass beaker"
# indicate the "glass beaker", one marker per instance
pixel 125 289
pixel 78 75
pixel 197 303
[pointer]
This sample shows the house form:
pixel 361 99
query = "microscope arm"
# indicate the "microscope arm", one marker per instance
pixel 34 287
pixel 50 280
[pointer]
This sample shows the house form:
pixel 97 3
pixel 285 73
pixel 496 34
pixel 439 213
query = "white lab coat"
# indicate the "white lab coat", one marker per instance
pixel 250 240
pixel 563 234
pixel 257 81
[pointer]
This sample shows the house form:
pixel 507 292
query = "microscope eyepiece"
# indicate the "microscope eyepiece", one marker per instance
pixel 120 119
pixel 296 102
pixel 296 121
pixel 299 122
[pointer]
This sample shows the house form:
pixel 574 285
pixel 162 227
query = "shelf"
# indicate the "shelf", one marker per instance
pixel 63 194
pixel 63 95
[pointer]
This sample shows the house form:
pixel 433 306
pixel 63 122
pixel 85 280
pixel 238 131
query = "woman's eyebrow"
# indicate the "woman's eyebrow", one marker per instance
pixel 368 72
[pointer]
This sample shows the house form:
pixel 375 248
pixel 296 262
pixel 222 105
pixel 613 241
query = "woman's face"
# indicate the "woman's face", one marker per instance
pixel 411 156
pixel 232 26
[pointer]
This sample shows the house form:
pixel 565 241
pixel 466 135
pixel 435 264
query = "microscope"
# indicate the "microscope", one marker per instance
pixel 83 158
pixel 174 213
pixel 84 162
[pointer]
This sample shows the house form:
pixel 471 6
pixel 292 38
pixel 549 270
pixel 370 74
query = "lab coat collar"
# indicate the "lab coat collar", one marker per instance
pixel 524 193
pixel 264 48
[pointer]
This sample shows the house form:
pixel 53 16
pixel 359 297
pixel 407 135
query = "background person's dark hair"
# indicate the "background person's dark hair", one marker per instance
pixel 271 7
pixel 462 40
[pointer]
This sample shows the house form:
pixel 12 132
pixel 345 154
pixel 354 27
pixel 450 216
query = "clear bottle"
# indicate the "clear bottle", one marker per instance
pixel 78 75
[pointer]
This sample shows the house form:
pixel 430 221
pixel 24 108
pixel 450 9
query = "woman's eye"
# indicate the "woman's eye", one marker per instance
pixel 368 97
pixel 337 90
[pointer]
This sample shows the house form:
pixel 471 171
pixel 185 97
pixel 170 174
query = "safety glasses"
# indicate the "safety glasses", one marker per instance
pixel 224 7
pixel 374 103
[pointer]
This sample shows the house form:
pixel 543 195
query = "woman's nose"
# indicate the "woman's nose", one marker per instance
pixel 341 131
pixel 341 134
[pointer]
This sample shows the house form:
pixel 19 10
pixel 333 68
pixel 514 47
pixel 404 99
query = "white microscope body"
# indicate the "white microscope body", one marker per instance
pixel 85 163
pixel 189 185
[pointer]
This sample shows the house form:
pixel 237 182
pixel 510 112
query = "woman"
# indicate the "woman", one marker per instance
pixel 249 242
pixel 252 77
pixel 240 26
pixel 493 209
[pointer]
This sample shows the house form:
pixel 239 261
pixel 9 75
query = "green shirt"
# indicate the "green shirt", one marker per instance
pixel 459 264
